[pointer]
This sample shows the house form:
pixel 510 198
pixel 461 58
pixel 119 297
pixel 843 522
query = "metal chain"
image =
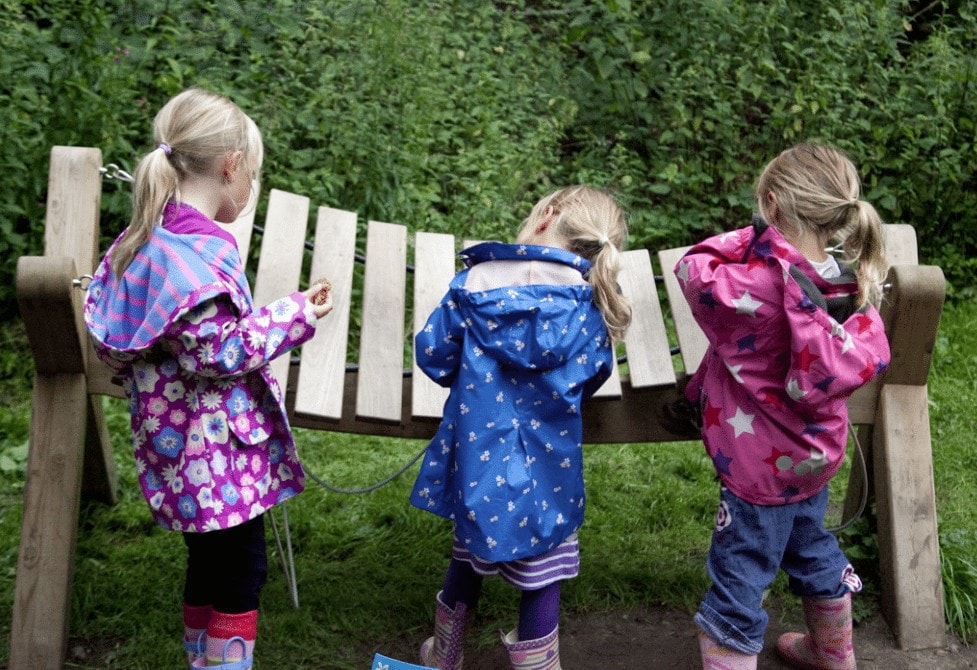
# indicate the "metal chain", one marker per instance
pixel 113 171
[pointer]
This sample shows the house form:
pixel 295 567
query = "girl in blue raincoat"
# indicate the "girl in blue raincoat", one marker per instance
pixel 523 336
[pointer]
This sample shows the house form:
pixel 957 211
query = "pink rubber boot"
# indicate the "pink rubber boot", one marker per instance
pixel 827 645
pixel 717 657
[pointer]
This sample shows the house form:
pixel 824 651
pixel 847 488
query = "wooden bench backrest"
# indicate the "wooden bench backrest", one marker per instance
pixel 378 397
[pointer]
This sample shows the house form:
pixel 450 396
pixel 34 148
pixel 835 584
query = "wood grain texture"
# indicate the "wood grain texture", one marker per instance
pixel 434 267
pixel 71 219
pixel 909 543
pixel 42 594
pixel 649 355
pixel 323 367
pixel 380 389
pixel 280 262
pixel 691 340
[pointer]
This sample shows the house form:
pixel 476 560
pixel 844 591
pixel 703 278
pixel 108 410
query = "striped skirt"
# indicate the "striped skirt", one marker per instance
pixel 528 574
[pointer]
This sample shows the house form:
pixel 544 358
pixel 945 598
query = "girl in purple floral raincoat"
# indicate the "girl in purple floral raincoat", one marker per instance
pixel 170 310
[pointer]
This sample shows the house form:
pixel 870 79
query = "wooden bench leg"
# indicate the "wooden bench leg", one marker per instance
pixel 42 595
pixel 99 482
pixel 858 484
pixel 909 547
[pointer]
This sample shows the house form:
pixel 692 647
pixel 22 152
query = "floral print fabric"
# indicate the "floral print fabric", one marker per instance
pixel 211 437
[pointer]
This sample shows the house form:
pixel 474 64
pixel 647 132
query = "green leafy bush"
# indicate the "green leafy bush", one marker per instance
pixel 455 116
pixel 684 113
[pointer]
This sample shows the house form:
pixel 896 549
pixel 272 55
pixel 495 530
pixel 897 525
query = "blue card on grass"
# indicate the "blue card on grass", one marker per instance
pixel 381 662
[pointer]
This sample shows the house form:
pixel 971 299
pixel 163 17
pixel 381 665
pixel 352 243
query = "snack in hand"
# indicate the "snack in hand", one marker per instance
pixel 321 297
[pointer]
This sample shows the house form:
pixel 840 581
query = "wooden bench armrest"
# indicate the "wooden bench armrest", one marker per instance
pixel 911 311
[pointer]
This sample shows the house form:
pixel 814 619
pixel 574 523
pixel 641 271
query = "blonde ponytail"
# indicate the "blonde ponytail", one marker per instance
pixel 592 225
pixel 154 183
pixel 864 249
pixel 615 308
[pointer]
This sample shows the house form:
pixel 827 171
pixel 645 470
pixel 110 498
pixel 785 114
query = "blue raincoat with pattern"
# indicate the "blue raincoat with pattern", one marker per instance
pixel 521 344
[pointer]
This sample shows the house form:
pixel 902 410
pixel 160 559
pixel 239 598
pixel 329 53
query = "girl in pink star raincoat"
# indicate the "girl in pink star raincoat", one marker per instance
pixel 169 309
pixel 792 334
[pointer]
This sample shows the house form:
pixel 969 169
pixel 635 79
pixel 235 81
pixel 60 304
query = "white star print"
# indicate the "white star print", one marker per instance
pixel 794 390
pixel 745 304
pixel 735 371
pixel 849 343
pixel 742 422
pixel 683 271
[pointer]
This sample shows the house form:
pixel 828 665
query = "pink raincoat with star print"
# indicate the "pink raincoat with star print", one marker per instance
pixel 786 350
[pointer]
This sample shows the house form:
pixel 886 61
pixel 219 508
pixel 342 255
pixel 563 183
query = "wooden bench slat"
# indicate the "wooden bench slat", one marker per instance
pixel 434 267
pixel 691 340
pixel 649 355
pixel 900 244
pixel 74 206
pixel 380 389
pixel 319 390
pixel 280 263
pixel 241 230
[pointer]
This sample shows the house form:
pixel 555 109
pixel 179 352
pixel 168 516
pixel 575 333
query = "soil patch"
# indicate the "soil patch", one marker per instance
pixel 665 638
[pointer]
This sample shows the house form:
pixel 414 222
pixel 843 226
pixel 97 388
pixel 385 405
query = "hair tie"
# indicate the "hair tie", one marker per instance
pixel 167 149
pixel 602 241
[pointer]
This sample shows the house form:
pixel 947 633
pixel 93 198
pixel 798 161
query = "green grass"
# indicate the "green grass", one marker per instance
pixel 368 565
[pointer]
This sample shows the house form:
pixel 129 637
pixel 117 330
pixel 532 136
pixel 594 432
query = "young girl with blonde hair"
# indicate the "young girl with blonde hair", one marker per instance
pixel 793 331
pixel 170 310
pixel 524 335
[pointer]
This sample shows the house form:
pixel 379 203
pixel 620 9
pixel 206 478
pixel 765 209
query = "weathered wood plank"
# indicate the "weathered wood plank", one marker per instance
pixel 691 340
pixel 73 208
pixel 72 230
pixel 649 356
pixel 241 229
pixel 911 313
pixel 280 263
pixel 42 595
pixel 434 267
pixel 380 388
pixel 51 310
pixel 909 544
pixel 900 244
pixel 323 368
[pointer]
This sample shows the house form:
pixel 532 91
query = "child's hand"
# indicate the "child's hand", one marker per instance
pixel 320 295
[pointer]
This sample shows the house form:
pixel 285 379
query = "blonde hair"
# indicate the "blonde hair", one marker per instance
pixel 816 188
pixel 592 225
pixel 191 132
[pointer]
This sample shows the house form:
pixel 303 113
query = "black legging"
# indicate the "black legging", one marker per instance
pixel 227 568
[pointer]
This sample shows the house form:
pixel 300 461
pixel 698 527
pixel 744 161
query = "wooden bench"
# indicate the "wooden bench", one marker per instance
pixel 70 456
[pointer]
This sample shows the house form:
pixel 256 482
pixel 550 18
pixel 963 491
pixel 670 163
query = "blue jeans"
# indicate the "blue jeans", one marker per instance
pixel 749 545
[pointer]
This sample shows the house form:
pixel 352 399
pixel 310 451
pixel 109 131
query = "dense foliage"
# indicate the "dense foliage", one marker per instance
pixel 454 116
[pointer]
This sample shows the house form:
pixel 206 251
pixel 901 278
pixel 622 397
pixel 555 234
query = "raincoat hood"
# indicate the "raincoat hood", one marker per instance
pixel 526 326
